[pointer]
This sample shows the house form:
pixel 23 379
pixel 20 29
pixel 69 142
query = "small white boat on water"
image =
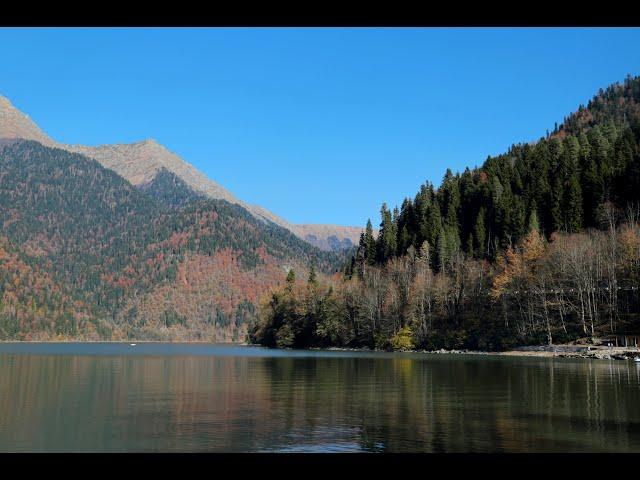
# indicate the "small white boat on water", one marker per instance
pixel 133 344
pixel 636 359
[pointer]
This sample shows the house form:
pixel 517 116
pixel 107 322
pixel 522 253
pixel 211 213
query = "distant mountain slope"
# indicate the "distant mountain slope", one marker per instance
pixel 140 162
pixel 33 305
pixel 170 190
pixel 324 236
pixel 112 255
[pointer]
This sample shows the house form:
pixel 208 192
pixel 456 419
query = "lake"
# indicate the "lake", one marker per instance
pixel 155 397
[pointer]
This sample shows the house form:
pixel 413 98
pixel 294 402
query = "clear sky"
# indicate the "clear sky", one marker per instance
pixel 316 125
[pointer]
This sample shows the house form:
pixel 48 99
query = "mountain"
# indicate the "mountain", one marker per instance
pixel 140 162
pixel 15 124
pixel 325 238
pixel 85 254
pixel 170 190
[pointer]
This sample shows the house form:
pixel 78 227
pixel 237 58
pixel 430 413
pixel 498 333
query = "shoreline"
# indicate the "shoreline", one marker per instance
pixel 541 351
pixel 603 353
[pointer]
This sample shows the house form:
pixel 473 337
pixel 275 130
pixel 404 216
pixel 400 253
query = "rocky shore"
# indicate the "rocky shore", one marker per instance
pixel 557 351
pixel 603 353
pixel 546 351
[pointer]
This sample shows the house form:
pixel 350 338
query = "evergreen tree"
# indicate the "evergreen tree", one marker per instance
pixel 386 244
pixel 369 244
pixel 593 191
pixel 573 204
pixel 479 232
pixel 359 260
pixel 534 224
pixel 290 280
pixel 556 216
pixel 313 279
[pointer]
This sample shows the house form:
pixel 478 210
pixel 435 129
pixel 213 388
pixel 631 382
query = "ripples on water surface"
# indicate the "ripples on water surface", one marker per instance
pixel 221 398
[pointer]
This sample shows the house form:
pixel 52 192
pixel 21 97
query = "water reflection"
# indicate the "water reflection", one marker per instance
pixel 308 402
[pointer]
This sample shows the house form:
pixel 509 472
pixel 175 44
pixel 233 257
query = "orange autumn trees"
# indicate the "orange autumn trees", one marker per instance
pixel 523 276
pixel 139 264
pixel 579 284
pixel 33 306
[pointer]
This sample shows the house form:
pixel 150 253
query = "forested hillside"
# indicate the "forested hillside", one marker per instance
pixel 170 190
pixel 539 244
pixel 87 254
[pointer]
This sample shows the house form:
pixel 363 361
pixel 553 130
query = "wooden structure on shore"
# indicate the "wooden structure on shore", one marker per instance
pixel 625 339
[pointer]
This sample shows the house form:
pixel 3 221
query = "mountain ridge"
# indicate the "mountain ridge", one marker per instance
pixel 139 163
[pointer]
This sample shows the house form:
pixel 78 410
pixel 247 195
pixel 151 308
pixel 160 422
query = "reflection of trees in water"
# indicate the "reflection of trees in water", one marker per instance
pixel 466 405
pixel 391 403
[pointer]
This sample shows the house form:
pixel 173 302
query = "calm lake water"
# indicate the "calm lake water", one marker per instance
pixel 222 398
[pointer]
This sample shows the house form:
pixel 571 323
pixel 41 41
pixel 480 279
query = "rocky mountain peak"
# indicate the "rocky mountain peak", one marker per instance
pixel 15 124
pixel 4 102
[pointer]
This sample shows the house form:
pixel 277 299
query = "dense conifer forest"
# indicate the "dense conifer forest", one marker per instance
pixel 539 245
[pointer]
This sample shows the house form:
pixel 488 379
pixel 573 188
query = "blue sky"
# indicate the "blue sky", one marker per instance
pixel 316 125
